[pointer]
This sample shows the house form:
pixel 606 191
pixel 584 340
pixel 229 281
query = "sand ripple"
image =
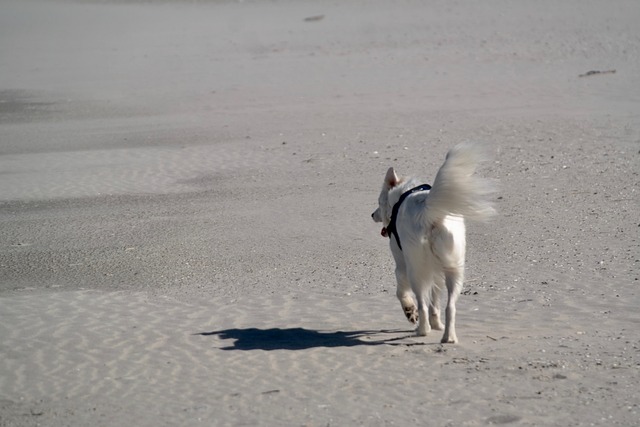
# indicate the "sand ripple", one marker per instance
pixel 89 355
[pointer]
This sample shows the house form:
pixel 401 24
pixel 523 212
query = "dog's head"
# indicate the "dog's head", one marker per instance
pixel 383 213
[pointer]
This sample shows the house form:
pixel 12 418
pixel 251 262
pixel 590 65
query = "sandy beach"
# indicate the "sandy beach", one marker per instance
pixel 185 200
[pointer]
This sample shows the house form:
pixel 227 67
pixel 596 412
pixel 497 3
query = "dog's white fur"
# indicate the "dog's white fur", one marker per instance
pixel 430 225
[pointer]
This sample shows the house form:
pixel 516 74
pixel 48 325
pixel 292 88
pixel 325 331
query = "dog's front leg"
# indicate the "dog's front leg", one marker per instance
pixel 423 314
pixel 403 292
pixel 434 306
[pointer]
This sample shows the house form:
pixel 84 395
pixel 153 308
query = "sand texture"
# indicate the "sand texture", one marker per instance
pixel 185 200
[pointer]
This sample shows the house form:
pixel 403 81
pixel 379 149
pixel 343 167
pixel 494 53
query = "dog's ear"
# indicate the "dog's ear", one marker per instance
pixel 391 179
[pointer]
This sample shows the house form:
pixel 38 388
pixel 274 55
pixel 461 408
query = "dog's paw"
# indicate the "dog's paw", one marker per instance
pixel 436 324
pixel 449 339
pixel 412 313
pixel 423 330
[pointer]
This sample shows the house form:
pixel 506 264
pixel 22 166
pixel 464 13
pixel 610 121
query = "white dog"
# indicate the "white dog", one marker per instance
pixel 427 234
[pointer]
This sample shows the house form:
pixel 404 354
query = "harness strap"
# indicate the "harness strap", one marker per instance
pixel 391 228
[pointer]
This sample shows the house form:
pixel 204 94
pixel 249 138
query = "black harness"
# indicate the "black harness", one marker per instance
pixel 391 228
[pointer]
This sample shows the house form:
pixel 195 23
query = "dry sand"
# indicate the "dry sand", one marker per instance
pixel 185 191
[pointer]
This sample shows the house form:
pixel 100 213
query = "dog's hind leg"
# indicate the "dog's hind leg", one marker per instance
pixel 453 281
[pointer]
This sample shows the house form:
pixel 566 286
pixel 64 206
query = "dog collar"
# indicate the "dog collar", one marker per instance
pixel 391 228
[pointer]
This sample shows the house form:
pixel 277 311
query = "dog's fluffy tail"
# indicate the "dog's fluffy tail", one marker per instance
pixel 456 191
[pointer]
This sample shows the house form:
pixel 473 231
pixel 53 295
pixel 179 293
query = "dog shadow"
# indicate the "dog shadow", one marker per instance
pixel 303 339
